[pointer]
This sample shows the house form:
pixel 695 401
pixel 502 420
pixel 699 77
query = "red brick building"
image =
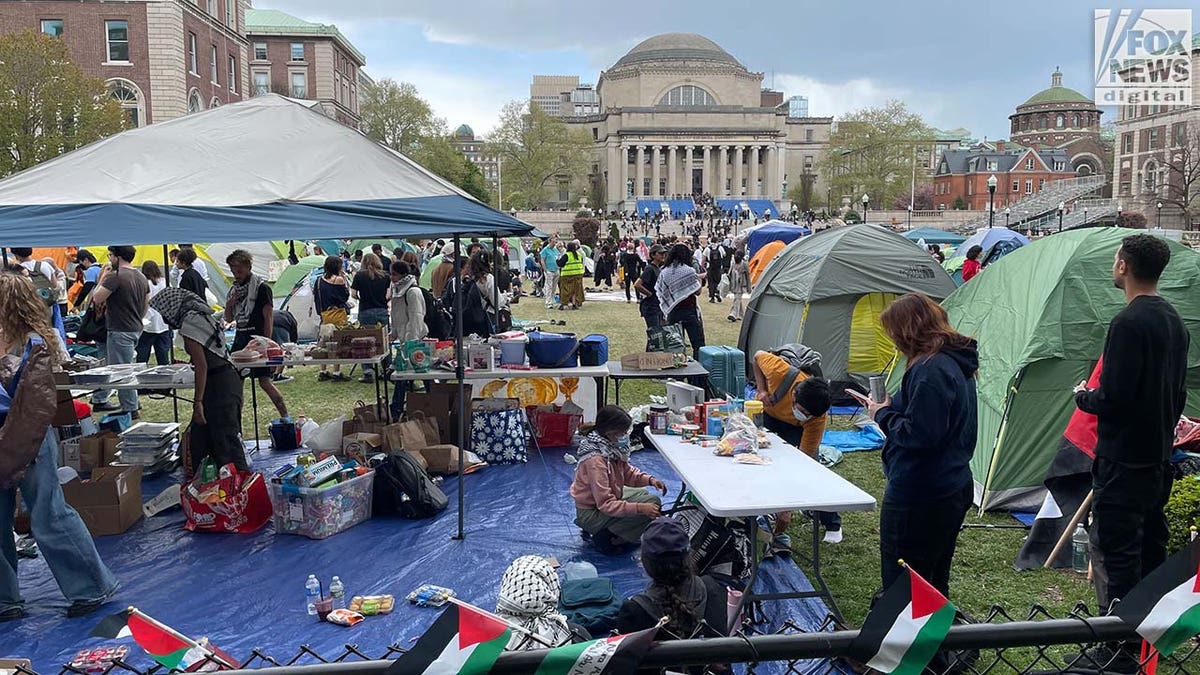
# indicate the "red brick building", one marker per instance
pixel 161 59
pixel 304 60
pixel 1019 174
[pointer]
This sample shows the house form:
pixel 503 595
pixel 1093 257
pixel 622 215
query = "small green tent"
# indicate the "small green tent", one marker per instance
pixel 289 277
pixel 1040 314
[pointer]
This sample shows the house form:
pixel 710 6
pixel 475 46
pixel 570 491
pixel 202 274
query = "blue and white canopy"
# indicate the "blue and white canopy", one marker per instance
pixel 263 169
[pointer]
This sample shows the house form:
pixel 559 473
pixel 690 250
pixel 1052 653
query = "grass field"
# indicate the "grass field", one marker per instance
pixel 982 574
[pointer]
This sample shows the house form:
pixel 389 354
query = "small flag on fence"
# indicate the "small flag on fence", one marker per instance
pixel 905 628
pixel 168 647
pixel 1165 606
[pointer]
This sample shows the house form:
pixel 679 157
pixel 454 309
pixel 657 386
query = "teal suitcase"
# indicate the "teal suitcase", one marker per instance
pixel 726 368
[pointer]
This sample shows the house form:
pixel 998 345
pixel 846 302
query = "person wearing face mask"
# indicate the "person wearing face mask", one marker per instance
pixel 795 401
pixel 612 505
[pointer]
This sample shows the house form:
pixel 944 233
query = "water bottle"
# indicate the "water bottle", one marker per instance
pixel 1079 549
pixel 338 593
pixel 312 593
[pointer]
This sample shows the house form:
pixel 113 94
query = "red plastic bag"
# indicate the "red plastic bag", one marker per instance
pixel 237 502
pixel 553 429
pixel 1187 435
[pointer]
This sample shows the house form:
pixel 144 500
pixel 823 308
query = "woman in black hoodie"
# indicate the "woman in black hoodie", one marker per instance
pixel 930 428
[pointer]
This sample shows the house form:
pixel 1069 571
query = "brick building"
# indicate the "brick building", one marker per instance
pixel 160 58
pixel 1019 174
pixel 1060 117
pixel 304 60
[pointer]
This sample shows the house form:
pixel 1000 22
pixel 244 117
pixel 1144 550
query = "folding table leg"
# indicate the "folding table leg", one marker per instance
pixel 254 408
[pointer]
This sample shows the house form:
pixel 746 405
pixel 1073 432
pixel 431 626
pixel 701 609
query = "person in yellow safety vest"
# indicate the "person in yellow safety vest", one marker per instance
pixel 570 280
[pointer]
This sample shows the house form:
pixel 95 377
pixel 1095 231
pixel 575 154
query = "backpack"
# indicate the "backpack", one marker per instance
pixel 475 317
pixel 801 359
pixel 437 319
pixel 592 603
pixel 44 284
pixel 720 547
pixel 403 488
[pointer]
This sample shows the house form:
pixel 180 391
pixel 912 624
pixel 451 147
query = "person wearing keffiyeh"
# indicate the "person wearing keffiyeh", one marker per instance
pixel 677 287
pixel 250 305
pixel 529 594
pixel 217 398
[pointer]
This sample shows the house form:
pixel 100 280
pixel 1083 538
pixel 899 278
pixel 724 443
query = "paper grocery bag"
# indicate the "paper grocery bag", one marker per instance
pixel 440 404
pixel 428 425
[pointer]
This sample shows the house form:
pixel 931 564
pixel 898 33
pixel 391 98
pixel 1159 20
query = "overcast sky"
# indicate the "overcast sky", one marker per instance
pixel 957 63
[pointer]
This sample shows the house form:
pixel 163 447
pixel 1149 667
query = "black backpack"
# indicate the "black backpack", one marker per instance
pixel 403 488
pixel 437 318
pixel 474 317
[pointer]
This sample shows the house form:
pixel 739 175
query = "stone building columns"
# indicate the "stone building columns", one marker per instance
pixel 624 163
pixel 722 171
pixel 738 159
pixel 673 170
pixel 752 190
pixel 639 187
pixel 655 170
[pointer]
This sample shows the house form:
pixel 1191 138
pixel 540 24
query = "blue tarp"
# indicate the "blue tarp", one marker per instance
pixel 996 242
pixel 785 232
pixel 867 438
pixel 246 592
pixel 757 207
pixel 933 235
pixel 675 207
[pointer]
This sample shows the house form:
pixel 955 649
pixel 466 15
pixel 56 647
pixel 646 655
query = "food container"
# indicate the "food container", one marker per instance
pixel 658 419
pixel 878 386
pixel 318 513
pixel 754 410
pixel 690 431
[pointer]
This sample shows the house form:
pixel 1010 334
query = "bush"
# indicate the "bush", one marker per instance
pixel 1132 219
pixel 959 203
pixel 852 216
pixel 1182 512
pixel 586 230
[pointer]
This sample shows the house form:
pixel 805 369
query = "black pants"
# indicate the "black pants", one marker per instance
pixel 792 435
pixel 689 318
pixel 923 535
pixel 629 281
pixel 221 437
pixel 1129 531
pixel 159 342
pixel 714 287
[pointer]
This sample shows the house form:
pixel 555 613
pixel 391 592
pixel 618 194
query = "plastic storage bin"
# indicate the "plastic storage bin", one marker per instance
pixel 318 514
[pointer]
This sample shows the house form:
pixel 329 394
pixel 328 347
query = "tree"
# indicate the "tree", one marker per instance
pixel 1183 175
pixel 539 153
pixel 394 114
pixel 49 106
pixel 959 203
pixel 872 152
pixel 923 201
pixel 586 230
pixel 801 195
pixel 1132 220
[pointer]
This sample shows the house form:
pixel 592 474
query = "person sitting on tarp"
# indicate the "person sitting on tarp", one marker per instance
pixel 215 431
pixel 795 399
pixel 528 599
pixel 612 505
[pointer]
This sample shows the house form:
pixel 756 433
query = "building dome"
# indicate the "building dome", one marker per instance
pixel 1057 93
pixel 675 47
pixel 464 131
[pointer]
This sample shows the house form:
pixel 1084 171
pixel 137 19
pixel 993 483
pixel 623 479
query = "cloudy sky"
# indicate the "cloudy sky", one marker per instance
pixel 959 64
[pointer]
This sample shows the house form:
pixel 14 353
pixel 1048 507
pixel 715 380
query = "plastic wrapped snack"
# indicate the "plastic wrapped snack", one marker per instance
pixel 430 596
pixel 741 437
pixel 344 617
pixel 370 605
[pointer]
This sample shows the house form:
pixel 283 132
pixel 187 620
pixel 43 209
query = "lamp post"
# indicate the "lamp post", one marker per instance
pixel 865 200
pixel 1006 212
pixel 795 217
pixel 1085 220
pixel 1118 221
pixel 828 202
pixel 991 183
pixel 909 227
pixel 1158 216
pixel 1061 206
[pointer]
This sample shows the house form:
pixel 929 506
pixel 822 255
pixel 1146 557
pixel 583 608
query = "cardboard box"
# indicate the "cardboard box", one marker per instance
pixel 443 459
pixel 64 415
pixel 345 337
pixel 97 450
pixel 361 446
pixel 109 503
pixel 14 666
pixel 649 361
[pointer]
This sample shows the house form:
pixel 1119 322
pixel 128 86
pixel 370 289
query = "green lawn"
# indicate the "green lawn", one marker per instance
pixel 983 573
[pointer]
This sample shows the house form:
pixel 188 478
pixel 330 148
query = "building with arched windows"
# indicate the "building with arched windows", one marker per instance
pixel 680 116
pixel 1060 117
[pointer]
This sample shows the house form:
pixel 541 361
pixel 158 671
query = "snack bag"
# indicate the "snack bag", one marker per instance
pixel 741 437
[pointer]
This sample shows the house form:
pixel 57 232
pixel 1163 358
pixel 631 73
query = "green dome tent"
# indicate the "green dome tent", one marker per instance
pixel 827 291
pixel 1040 314
pixel 294 273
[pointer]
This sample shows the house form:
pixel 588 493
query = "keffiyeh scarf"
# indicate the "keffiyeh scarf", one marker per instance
pixel 675 282
pixel 528 598
pixel 248 299
pixel 594 444
pixel 185 312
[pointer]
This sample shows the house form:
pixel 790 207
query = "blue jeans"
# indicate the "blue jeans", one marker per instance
pixel 374 317
pixel 121 347
pixel 159 342
pixel 60 535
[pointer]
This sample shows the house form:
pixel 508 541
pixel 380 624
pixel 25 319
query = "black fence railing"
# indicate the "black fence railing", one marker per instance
pixel 996 643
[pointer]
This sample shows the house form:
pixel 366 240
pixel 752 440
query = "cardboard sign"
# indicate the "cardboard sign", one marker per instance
pixel 109 503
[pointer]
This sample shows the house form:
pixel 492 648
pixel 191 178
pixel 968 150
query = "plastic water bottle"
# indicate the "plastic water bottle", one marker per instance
pixel 1079 549
pixel 338 592
pixel 312 593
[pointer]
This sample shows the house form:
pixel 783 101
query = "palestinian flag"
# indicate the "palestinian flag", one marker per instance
pixel 462 641
pixel 618 654
pixel 1068 481
pixel 905 628
pixel 170 649
pixel 1165 606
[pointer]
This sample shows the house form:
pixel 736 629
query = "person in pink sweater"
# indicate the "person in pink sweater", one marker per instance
pixel 612 505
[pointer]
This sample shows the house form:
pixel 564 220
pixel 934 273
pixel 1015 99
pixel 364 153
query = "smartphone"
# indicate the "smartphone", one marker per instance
pixel 860 397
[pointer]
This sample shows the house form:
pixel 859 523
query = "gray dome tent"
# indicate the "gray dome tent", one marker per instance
pixel 827 290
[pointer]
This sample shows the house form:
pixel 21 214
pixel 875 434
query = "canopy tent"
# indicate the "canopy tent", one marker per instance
pixel 389 246
pixel 827 291
pixel 254 170
pixel 329 246
pixel 933 235
pixel 1040 316
pixel 996 242
pixel 773 230
pixel 262 253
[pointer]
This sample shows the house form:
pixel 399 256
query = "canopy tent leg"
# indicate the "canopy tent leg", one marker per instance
pixel 167 280
pixel 460 374
pixel 495 276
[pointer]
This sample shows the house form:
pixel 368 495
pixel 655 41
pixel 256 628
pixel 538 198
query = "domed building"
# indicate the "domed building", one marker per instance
pixel 1060 117
pixel 464 140
pixel 680 116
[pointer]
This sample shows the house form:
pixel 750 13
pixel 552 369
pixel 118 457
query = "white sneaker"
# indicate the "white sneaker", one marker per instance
pixel 834 537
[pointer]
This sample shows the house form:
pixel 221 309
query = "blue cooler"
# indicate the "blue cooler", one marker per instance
pixel 552 350
pixel 593 350
pixel 726 368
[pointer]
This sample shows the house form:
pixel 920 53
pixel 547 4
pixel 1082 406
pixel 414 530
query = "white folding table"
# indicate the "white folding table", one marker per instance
pixel 792 481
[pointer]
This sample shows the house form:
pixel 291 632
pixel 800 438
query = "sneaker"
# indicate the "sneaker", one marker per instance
pixel 323 376
pixel 1109 657
pixel 730 319
pixel 781 545
pixel 281 378
pixel 367 378
pixel 833 536
pixel 341 377
pixel 105 406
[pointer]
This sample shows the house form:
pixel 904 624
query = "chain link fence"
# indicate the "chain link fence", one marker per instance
pixel 1033 643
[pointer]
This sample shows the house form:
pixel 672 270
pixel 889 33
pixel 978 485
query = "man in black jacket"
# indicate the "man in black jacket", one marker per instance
pixel 1137 405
